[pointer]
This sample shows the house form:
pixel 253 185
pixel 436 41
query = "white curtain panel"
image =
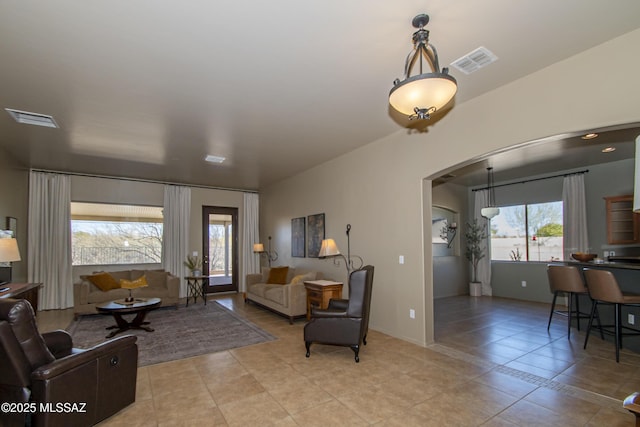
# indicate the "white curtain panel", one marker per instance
pixel 484 266
pixel 250 235
pixel 574 216
pixel 175 232
pixel 49 260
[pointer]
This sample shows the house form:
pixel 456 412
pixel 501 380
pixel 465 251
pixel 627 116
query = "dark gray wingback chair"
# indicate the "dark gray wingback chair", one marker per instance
pixel 344 322
pixel 46 370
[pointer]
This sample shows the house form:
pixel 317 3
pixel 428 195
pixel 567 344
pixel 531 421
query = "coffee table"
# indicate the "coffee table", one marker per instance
pixel 139 307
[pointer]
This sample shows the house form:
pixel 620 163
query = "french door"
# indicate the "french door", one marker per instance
pixel 220 248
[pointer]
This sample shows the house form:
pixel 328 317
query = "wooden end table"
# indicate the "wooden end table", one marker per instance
pixel 28 291
pixel 319 292
pixel 139 307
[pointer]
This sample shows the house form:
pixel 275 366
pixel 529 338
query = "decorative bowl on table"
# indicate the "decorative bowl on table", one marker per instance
pixel 583 257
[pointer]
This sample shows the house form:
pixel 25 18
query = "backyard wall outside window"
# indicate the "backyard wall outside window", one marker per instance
pixel 109 234
pixel 530 232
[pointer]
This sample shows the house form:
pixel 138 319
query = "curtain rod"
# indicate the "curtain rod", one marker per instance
pixel 143 180
pixel 534 179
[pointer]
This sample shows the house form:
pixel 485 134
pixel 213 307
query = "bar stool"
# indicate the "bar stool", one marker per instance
pixel 566 279
pixel 603 289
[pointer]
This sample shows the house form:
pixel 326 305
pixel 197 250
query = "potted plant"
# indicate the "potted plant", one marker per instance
pixel 475 236
pixel 194 264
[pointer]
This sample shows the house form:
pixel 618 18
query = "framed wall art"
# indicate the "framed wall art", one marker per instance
pixel 297 237
pixel 12 225
pixel 315 234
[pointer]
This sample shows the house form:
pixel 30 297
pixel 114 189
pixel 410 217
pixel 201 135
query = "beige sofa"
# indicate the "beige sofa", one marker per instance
pixel 289 299
pixel 161 285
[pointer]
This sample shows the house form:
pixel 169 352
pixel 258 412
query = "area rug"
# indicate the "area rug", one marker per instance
pixel 185 332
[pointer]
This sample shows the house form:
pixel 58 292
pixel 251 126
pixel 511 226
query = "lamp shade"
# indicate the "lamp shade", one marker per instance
pixel 328 248
pixel 424 91
pixel 258 247
pixel 9 250
pixel 489 212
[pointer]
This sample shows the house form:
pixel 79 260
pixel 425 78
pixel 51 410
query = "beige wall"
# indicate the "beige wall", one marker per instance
pixel 14 202
pixel 451 273
pixel 379 187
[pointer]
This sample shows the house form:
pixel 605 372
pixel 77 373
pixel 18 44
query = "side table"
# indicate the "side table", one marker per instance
pixel 319 292
pixel 195 288
pixel 28 291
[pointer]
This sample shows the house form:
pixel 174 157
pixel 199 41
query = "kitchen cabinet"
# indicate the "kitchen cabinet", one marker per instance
pixel 623 225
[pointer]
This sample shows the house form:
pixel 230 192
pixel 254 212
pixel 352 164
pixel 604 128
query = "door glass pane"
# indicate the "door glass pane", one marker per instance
pixel 220 245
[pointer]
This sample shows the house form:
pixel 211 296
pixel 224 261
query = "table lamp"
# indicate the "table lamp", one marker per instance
pixel 9 251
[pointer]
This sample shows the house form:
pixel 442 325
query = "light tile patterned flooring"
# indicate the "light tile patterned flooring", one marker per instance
pixel 493 364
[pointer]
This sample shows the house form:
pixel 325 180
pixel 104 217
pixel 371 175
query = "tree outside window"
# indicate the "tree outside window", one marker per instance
pixel 531 232
pixel 104 234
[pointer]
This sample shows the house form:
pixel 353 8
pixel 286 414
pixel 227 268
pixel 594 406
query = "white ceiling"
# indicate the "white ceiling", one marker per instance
pixel 147 88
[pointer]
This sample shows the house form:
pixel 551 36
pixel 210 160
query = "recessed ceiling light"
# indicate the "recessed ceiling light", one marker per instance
pixel 609 150
pixel 590 136
pixel 214 159
pixel 32 118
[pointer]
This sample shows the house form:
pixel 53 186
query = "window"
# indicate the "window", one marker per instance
pixel 107 234
pixel 528 233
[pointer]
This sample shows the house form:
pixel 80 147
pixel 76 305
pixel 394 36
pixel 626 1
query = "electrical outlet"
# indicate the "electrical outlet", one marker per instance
pixel 524 283
pixel 401 259
pixel 412 313
pixel 612 253
pixel 195 253
pixel 631 319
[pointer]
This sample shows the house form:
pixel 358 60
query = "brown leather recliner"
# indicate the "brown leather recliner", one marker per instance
pixel 54 384
pixel 344 322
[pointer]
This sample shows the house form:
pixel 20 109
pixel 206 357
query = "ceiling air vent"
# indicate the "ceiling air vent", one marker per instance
pixel 32 118
pixel 475 60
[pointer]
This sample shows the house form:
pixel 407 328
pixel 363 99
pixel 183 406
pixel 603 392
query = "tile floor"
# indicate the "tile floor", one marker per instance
pixel 493 364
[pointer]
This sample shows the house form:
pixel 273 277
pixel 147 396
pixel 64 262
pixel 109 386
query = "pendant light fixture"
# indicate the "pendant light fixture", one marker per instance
pixel 423 94
pixel 491 210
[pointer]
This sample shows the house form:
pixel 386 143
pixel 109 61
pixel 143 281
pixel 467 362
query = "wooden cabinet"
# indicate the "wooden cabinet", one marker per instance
pixel 319 292
pixel 623 225
pixel 28 291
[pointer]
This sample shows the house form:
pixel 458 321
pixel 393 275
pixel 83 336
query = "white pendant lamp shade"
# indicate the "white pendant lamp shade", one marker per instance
pixel 489 212
pixel 636 178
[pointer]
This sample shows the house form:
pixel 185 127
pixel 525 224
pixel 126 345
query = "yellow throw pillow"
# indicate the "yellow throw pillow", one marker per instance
pixel 104 281
pixel 133 284
pixel 278 275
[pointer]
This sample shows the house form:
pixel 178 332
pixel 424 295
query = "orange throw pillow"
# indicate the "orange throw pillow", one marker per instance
pixel 104 281
pixel 278 275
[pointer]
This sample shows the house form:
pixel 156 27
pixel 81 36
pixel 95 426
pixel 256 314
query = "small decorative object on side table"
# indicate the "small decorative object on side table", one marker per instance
pixel 319 292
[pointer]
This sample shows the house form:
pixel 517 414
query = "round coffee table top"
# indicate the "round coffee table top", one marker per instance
pixel 124 307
